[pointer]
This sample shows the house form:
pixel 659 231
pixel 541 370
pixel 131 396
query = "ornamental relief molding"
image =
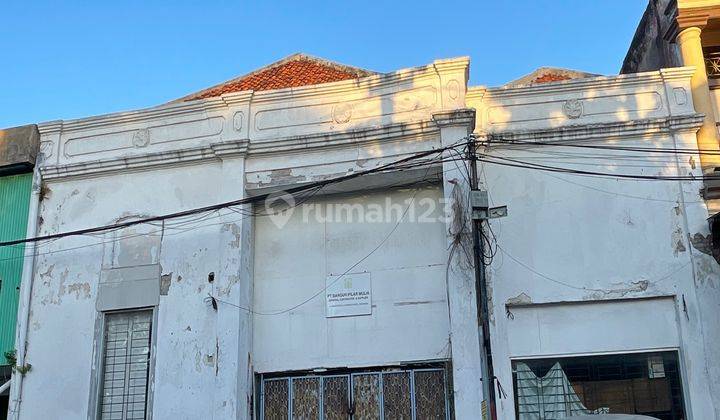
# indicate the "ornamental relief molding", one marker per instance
pixel 127 139
pixel 573 108
pixel 614 106
pixel 238 119
pixel 453 89
pixel 342 113
pixel 401 103
pixel 141 138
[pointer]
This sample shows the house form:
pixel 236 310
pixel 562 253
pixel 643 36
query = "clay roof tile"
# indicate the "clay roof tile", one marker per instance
pixel 293 71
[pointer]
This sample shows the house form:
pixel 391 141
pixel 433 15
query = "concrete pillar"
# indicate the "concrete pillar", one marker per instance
pixel 465 330
pixel 692 55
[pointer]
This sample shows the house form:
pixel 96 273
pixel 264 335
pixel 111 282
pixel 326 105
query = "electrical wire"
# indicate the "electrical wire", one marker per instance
pixel 327 286
pixel 571 286
pixel 217 214
pixel 527 165
pixel 249 200
pixel 494 141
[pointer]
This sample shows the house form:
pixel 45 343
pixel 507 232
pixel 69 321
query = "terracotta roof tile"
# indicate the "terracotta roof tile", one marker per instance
pixel 550 77
pixel 296 70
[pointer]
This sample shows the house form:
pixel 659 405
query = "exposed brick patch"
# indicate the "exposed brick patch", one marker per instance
pixel 550 77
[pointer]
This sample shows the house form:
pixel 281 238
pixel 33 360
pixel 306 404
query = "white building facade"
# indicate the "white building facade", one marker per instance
pixel 359 298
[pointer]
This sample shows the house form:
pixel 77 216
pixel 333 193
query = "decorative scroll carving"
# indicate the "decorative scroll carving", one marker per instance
pixel 342 113
pixel 141 138
pixel 144 137
pixel 573 108
pixel 453 89
pixel 419 99
pixel 680 95
pixel 47 148
pixel 632 103
pixel 238 120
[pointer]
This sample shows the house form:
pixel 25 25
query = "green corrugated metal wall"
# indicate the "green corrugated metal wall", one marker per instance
pixel 14 203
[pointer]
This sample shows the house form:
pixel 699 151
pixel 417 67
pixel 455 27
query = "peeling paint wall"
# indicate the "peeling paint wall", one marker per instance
pixel 125 166
pixel 409 320
pixel 566 239
pixel 64 295
pixel 571 238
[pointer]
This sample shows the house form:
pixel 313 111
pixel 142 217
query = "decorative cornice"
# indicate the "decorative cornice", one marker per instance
pixel 456 117
pixel 601 82
pixel 373 82
pixel 160 112
pixel 452 64
pixel 177 109
pixel 216 151
pixel 475 93
pixel 317 141
pixel 687 19
pixel 50 127
pixel 613 130
pixel 677 73
pixel 245 147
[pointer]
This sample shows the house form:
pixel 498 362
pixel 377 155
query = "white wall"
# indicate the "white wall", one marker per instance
pixel 592 327
pixel 590 240
pixel 105 169
pixel 409 318
pixel 62 322
pixel 566 238
pixel 570 238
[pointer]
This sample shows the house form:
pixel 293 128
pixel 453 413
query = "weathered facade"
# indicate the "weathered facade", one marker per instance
pixel 238 312
pixel 595 266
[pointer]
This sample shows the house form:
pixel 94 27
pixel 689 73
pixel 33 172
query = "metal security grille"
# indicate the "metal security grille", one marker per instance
pixel 306 398
pixel 277 399
pixel 428 396
pixel 126 363
pixel 412 394
pixel 397 397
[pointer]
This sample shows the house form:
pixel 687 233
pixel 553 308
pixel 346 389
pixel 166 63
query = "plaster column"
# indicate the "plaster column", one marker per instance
pixel 465 330
pixel 692 55
pixel 233 284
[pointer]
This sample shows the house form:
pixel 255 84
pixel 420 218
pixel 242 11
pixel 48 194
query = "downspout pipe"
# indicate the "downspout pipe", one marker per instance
pixel 4 387
pixel 26 286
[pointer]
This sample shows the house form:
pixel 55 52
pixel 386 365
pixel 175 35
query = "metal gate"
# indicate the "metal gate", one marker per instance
pixel 398 395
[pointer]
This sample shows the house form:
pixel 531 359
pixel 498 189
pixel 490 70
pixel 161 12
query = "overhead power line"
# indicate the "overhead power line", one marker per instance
pixel 401 164
pixel 495 142
pixel 504 161
pixel 337 279
pixel 406 163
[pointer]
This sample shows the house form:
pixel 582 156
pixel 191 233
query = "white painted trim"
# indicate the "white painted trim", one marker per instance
pixel 600 82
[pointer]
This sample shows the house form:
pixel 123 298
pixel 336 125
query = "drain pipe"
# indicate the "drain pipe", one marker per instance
pixel 26 285
pixel 4 387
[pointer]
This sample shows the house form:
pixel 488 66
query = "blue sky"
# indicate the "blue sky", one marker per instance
pixel 74 59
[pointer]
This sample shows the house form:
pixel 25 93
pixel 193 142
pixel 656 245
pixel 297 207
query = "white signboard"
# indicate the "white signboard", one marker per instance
pixel 348 295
